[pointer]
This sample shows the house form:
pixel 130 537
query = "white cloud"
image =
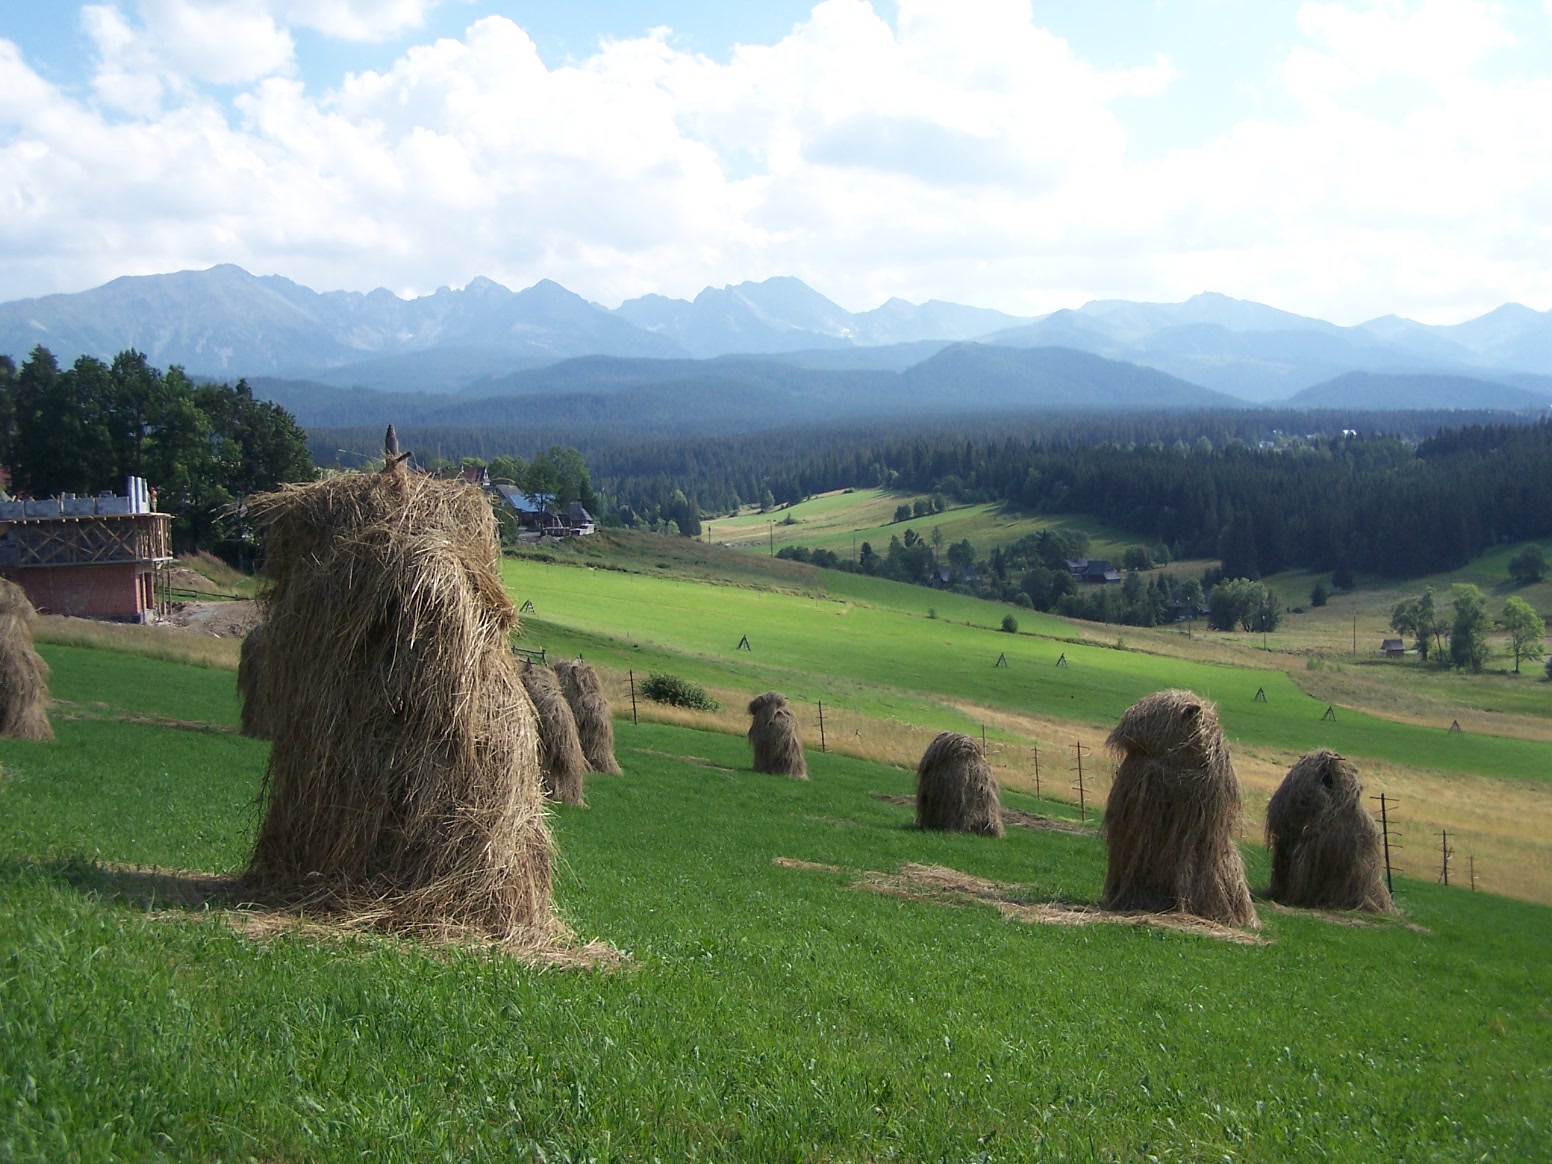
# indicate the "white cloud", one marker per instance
pixel 963 152
pixel 355 19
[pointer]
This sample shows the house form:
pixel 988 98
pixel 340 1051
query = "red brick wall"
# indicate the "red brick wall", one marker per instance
pixel 110 591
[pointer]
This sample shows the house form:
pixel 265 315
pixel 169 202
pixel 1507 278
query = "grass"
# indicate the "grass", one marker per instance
pixel 841 520
pixel 766 1012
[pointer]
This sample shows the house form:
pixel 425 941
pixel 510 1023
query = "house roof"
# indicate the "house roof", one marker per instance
pixel 518 500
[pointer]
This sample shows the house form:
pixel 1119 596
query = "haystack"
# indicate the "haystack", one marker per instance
pixel 773 733
pixel 250 662
pixel 403 786
pixel 1173 812
pixel 562 766
pixel 24 693
pixel 955 789
pixel 595 725
pixel 1326 849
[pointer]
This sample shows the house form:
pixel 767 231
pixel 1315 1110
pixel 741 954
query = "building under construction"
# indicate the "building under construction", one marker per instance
pixel 91 557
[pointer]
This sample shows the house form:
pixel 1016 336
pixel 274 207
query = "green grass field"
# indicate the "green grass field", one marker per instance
pixel 840 521
pixel 867 645
pixel 764 1012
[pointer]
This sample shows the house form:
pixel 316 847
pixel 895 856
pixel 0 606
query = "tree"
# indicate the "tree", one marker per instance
pixel 1137 558
pixel 1243 603
pixel 902 513
pixel 1529 565
pixel 507 470
pixel 1468 633
pixel 1010 624
pixel 1318 594
pixel 1342 576
pixel 1526 631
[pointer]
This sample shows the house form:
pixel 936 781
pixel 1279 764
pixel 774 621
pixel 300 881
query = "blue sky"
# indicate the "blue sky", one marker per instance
pixel 1347 158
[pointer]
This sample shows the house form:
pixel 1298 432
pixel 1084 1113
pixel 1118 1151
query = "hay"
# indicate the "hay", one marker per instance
pixel 595 724
pixel 1326 848
pixel 562 766
pixel 955 789
pixel 773 733
pixel 250 662
pixel 403 786
pixel 1173 812
pixel 24 693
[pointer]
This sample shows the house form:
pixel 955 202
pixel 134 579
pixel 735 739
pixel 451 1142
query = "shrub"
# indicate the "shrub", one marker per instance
pixel 1010 624
pixel 1529 565
pixel 677 692
pixel 1319 594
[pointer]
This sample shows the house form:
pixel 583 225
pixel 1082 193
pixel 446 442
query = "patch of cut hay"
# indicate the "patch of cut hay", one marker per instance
pixel 403 786
pixel 809 866
pixel 955 789
pixel 940 885
pixel 24 693
pixel 773 734
pixel 1326 849
pixel 1011 817
pixel 562 766
pixel 250 662
pixel 1172 814
pixel 595 724
pixel 696 761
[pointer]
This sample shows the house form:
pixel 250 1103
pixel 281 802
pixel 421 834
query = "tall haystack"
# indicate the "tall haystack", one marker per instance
pixel 773 733
pixel 955 788
pixel 595 725
pixel 1172 814
pixel 562 766
pixel 250 663
pixel 1326 849
pixel 403 785
pixel 24 693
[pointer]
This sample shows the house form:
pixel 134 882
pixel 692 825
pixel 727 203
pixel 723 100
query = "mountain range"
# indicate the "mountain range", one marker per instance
pixel 486 340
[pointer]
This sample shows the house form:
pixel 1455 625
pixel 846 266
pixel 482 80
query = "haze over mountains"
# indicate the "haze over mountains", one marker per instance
pixel 779 337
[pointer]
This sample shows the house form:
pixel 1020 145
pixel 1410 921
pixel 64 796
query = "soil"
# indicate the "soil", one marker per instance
pixel 222 620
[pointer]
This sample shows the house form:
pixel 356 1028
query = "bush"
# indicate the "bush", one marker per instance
pixel 1529 565
pixel 1010 624
pixel 1319 594
pixel 1137 558
pixel 677 692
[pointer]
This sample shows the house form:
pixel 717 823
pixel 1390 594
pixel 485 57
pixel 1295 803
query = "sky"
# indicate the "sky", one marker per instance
pixel 1341 158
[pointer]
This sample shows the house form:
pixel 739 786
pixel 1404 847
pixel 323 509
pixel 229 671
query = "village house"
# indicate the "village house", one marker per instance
pixel 539 518
pixel 90 557
pixel 1096 570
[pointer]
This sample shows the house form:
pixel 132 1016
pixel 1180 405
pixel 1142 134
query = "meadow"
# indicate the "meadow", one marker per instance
pixel 782 990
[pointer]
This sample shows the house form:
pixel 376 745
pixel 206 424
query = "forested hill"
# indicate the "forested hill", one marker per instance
pixel 1230 485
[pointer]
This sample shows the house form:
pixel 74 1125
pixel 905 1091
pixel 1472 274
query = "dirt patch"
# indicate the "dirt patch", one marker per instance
pixel 103 711
pixel 229 619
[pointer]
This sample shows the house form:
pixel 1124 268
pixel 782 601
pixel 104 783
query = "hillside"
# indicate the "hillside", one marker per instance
pixel 1411 391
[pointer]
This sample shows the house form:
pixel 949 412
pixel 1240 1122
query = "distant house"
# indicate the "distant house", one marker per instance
pixel 1393 648
pixel 1091 570
pixel 476 475
pixel 542 519
pixel 578 519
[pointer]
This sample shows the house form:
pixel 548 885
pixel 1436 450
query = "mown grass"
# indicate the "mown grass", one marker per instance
pixel 844 520
pixel 766 1012
pixel 869 645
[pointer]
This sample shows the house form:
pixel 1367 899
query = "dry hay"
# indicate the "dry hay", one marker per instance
pixel 1326 848
pixel 773 733
pixel 403 786
pixel 940 885
pixel 24 693
pixel 250 662
pixel 562 766
pixel 955 789
pixel 595 724
pixel 1011 817
pixel 1172 814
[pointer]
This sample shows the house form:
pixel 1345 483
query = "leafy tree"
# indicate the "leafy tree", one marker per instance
pixel 902 513
pixel 1468 633
pixel 767 502
pixel 1244 603
pixel 1529 565
pixel 1319 594
pixel 1137 558
pixel 937 537
pixel 507 470
pixel 1526 631
pixel 1010 624
pixel 961 554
